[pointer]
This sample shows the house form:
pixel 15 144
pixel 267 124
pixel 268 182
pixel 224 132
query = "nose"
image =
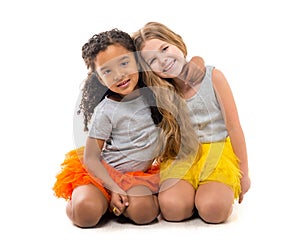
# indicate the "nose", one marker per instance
pixel 118 75
pixel 162 59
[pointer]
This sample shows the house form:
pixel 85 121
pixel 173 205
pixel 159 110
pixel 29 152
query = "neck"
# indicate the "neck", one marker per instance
pixel 120 97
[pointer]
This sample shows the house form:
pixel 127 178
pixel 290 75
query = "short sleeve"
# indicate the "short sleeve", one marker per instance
pixel 101 126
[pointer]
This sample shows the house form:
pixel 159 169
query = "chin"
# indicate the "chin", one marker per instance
pixel 172 75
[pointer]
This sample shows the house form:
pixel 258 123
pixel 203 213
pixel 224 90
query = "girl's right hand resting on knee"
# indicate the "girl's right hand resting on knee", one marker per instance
pixel 119 202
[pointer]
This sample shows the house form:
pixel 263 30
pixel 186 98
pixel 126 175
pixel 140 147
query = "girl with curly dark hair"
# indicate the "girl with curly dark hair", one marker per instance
pixel 116 170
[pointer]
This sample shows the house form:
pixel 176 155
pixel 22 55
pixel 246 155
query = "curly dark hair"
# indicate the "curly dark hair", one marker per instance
pixel 93 92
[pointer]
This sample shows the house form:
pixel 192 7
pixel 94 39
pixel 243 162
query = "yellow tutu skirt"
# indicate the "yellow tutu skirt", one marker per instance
pixel 214 162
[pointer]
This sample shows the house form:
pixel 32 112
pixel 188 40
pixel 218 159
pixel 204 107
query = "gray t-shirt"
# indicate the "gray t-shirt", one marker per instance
pixel 129 133
pixel 205 112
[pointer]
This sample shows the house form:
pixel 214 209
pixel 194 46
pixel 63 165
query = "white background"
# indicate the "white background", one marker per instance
pixel 255 44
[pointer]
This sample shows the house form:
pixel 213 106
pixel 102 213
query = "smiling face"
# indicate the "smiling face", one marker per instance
pixel 117 68
pixel 165 59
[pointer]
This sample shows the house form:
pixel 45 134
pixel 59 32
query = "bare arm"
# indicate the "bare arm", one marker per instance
pixel 232 121
pixel 94 166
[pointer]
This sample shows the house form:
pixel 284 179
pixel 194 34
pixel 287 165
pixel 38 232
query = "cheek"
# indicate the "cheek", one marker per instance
pixel 157 70
pixel 106 82
pixel 133 74
pixel 156 67
pixel 176 51
pixel 132 69
pixel 135 77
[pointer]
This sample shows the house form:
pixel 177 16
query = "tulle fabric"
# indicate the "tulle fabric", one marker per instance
pixel 73 174
pixel 214 162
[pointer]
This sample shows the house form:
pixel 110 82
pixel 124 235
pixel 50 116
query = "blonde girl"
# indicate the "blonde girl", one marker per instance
pixel 220 175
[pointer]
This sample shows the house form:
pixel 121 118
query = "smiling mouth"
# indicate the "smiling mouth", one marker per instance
pixel 123 83
pixel 169 66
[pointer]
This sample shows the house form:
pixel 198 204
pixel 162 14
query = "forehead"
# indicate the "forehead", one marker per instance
pixel 153 45
pixel 112 54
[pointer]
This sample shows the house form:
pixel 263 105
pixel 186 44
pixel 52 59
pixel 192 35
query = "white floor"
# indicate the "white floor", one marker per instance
pixel 264 217
pixel 269 213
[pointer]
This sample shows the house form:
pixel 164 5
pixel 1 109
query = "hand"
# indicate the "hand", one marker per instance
pixel 193 71
pixel 119 202
pixel 245 186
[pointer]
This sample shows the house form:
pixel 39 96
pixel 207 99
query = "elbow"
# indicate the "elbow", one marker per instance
pixel 234 128
pixel 89 163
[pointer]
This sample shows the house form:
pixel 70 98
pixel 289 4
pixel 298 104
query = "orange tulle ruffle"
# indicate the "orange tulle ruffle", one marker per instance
pixel 74 174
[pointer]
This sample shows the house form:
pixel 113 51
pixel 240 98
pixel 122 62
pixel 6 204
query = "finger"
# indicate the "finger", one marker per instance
pixel 189 76
pixel 197 67
pixel 125 200
pixel 196 73
pixel 184 72
pixel 191 72
pixel 198 61
pixel 241 197
pixel 116 211
pixel 117 207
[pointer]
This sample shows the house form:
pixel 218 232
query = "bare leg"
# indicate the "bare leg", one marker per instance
pixel 87 206
pixel 214 202
pixel 176 200
pixel 143 206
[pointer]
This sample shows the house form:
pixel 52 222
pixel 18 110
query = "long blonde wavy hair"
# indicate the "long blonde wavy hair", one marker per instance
pixel 178 137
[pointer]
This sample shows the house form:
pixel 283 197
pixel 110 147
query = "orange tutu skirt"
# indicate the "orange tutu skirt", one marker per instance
pixel 74 174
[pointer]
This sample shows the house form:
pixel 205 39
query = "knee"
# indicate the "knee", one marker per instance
pixel 84 213
pixel 174 208
pixel 142 211
pixel 214 212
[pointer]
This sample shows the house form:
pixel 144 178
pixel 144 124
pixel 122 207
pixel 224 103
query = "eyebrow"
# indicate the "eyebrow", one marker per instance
pixel 124 57
pixel 162 45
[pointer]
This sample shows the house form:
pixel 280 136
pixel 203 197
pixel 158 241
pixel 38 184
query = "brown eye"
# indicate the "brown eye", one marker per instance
pixel 125 63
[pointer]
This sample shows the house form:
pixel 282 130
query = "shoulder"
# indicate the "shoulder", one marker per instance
pixel 219 80
pixel 223 90
pixel 103 108
pixel 103 104
pixel 217 75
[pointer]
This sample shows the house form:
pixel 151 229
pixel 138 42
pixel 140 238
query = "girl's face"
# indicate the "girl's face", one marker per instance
pixel 164 59
pixel 117 69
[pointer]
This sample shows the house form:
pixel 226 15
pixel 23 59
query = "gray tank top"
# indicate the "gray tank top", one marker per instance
pixel 129 133
pixel 205 111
